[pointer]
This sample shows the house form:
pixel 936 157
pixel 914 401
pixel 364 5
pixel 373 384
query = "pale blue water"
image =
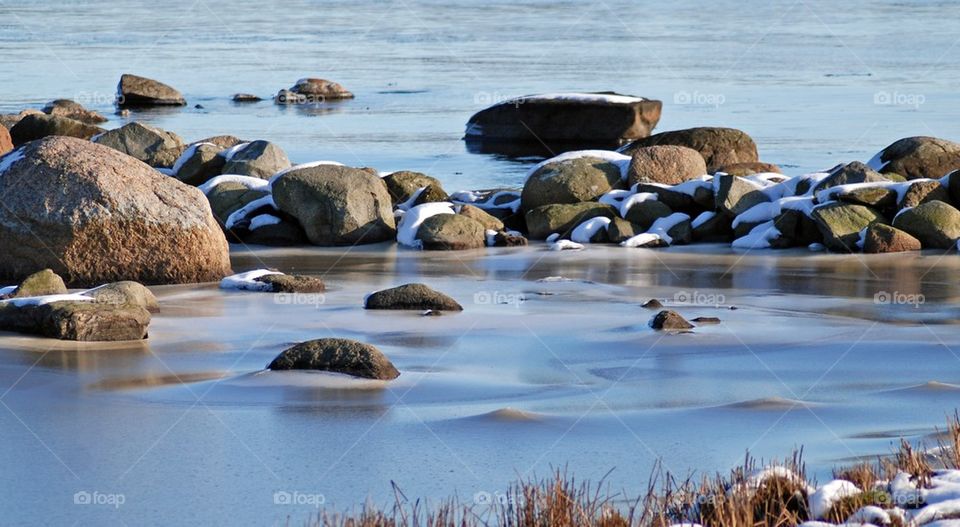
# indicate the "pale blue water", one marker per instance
pixel 803 78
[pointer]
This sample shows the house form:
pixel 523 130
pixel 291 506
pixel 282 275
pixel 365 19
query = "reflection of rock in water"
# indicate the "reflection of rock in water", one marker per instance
pixel 413 340
pixel 77 356
pixel 152 381
pixel 768 403
pixel 523 151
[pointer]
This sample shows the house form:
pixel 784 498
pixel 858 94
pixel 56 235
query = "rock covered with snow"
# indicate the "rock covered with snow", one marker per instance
pixel 918 157
pixel 573 177
pixel 267 280
pixel 563 218
pixel 407 187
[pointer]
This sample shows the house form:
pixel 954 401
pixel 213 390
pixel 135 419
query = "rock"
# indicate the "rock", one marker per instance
pixel 153 146
pixel 337 355
pixel 702 198
pixel 245 97
pixel 431 194
pixel 922 192
pixel 718 146
pixel 223 141
pixel 601 118
pixel 337 205
pixel 230 196
pixel 76 320
pixel 286 233
pixel 39 125
pixel 404 184
pixel 749 168
pixel 291 283
pixel 716 228
pixel 620 229
pixel 125 293
pixel 653 303
pixel 706 320
pixel 40 283
pixel 796 229
pixel 141 91
pixel 881 198
pixel 489 222
pixel 919 157
pixel 313 91
pixel 6 142
pixel 669 320
pixel 882 238
pixel 841 223
pixel 8 120
pixel 680 232
pixel 548 219
pixel 260 159
pixel 935 223
pixel 506 239
pixel 451 232
pixel 666 164
pixel 735 195
pixel 855 172
pixel 570 181
pixel 645 212
pixel 104 217
pixel 411 296
pixel 199 163
pixel 73 110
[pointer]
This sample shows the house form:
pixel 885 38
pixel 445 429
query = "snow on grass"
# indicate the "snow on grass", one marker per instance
pixel 622 161
pixel 411 221
pixel 46 299
pixel 244 211
pixel 565 245
pixel 252 183
pixel 262 220
pixel 758 238
pixel 301 166
pixel 247 281
pixel 828 494
pixel 870 514
pixel 9 159
pixel 588 229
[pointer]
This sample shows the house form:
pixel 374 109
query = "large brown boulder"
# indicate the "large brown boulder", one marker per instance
pixel 451 232
pixel 597 118
pixel 919 157
pixel 665 164
pixel 570 181
pixel 337 205
pixel 563 218
pixel 718 146
pixel 337 355
pixel 882 238
pixel 134 90
pixel 94 215
pixel 76 320
pixel 39 125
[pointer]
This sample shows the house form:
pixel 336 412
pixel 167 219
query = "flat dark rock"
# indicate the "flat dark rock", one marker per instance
pixel 412 296
pixel 345 356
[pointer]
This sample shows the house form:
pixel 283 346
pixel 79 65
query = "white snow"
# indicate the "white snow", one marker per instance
pixel 252 183
pixel 615 197
pixel 302 166
pixel 586 230
pixel 491 237
pixel 758 238
pixel 829 493
pixel 769 210
pixel 900 187
pixel 565 245
pixel 641 240
pixel 815 246
pixel 185 156
pixel 8 289
pixel 165 171
pixel 9 159
pixel 470 197
pixel 553 237
pixel 621 160
pixel 702 218
pixel 577 97
pixel 662 225
pixel 405 206
pixel 244 211
pixel 875 162
pixel 870 514
pixel 246 281
pixel 410 223
pixel 232 151
pixel 639 197
pixel 262 220
pixel 46 299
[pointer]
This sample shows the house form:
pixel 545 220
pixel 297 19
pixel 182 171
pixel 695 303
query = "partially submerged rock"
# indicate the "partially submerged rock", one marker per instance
pixel 669 320
pixel 666 164
pixel 313 91
pixel 411 296
pixel 83 320
pixel 134 90
pixel 345 356
pixel 39 125
pixel 882 238
pixel 653 303
pixel 152 145
pixel 718 146
pixel 935 223
pixel 570 181
pixel 287 283
pixel 125 293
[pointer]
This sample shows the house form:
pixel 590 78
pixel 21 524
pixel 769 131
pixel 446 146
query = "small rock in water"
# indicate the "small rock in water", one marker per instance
pixel 134 90
pixel 411 296
pixel 432 313
pixel 125 293
pixel 653 303
pixel 670 320
pixel 246 97
pixel 73 110
pixel 287 283
pixel 337 355
pixel 706 320
pixel 312 91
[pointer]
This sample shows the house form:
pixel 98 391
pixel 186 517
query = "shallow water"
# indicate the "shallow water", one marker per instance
pixel 536 373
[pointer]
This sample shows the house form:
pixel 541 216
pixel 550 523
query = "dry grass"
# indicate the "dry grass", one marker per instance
pixel 732 500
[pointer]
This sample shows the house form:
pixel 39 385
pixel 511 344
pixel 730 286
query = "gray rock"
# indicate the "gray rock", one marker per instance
pixel 548 219
pixel 337 355
pixel 410 297
pixel 134 90
pixel 199 163
pixel 935 223
pixel 125 293
pixel 920 157
pixel 735 196
pixel 570 181
pixel 260 159
pixel 451 232
pixel 153 146
pixel 841 223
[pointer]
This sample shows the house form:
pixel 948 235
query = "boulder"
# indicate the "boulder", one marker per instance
pixel 923 191
pixel 73 110
pixel 141 91
pixel 487 220
pixel 260 159
pixel 796 230
pixel 223 141
pixel 645 212
pixel 245 97
pixel 670 320
pixel 404 184
pixel 653 303
pixel 8 120
pixel 198 163
pixel 919 157
pixel 749 168
pixel 718 146
pixel 411 296
pixel 620 229
pixel 337 205
pixel 841 223
pixel 713 228
pixel 40 283
pixel 666 164
pixel 431 194
pixel 451 232
pixel 881 198
pixel 6 142
pixel 103 217
pixel 230 196
pixel 313 91
pixel 508 239
pixel 735 195
pixel 76 320
pixel 285 233
pixel 125 293
pixel 570 181
pixel 700 199
pixel 291 283
pixel 153 146
pixel 855 172
pixel 337 355
pixel 935 223
pixel 882 238
pixel 592 118
pixel 563 218
pixel 39 125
